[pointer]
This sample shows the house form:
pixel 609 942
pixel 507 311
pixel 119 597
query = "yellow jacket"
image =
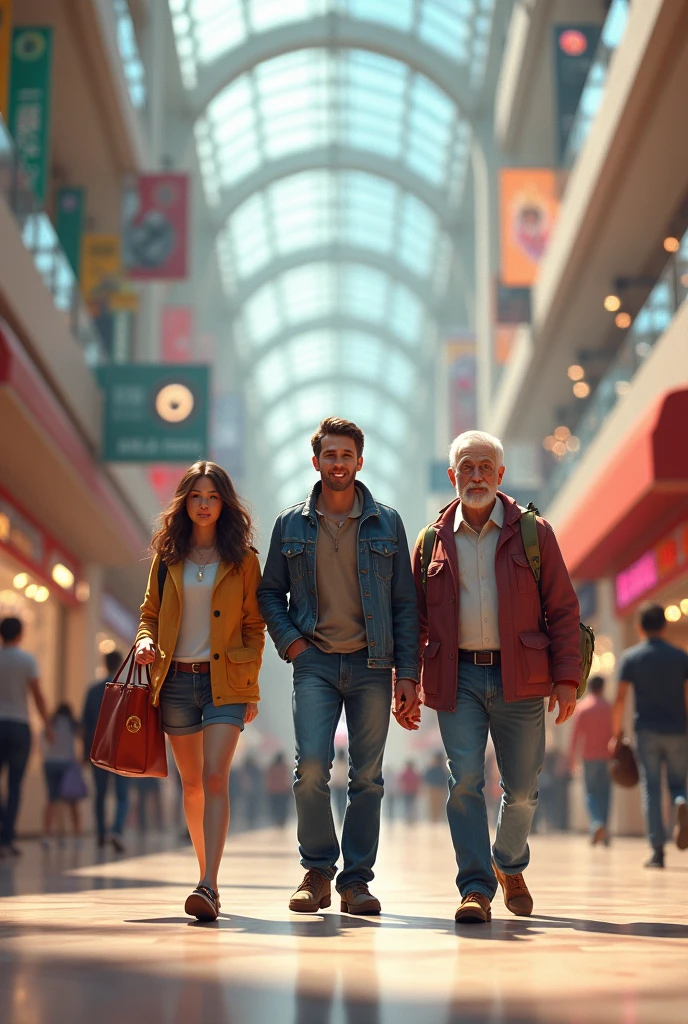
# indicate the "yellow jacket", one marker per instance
pixel 237 630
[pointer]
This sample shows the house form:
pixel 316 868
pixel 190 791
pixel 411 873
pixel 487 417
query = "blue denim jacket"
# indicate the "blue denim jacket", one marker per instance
pixel 387 587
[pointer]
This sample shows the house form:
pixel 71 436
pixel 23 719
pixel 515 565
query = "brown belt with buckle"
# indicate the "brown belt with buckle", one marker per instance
pixel 488 658
pixel 197 667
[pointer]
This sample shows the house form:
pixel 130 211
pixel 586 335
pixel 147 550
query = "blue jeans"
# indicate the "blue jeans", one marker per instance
pixel 598 786
pixel 518 733
pixel 101 779
pixel 655 748
pixel 15 746
pixel 323 685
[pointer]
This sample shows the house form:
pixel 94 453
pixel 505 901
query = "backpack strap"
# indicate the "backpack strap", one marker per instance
pixel 162 576
pixel 427 538
pixel 530 540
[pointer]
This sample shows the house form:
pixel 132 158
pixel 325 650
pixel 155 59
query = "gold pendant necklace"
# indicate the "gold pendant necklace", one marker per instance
pixel 201 567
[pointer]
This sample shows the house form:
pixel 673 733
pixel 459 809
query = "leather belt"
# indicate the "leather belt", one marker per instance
pixel 488 658
pixel 197 667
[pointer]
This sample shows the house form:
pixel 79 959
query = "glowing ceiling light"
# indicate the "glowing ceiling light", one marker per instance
pixel 63 576
pixel 83 591
pixel 672 244
pixel 581 389
pixel 561 433
pixel 612 303
pixel 672 612
pixel 549 442
pixel 21 580
pixel 575 372
pixel 31 591
pixel 684 606
pixel 107 646
pixel 42 594
pixel 623 320
pixel 573 443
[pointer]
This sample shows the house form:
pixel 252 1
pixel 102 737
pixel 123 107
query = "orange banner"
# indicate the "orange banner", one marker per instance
pixel 529 205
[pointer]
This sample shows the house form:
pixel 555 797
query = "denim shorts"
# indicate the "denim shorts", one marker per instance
pixel 186 704
pixel 54 772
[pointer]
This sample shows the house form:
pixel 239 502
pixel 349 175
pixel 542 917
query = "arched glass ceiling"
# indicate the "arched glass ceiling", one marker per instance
pixel 326 355
pixel 328 208
pixel 207 29
pixel 315 98
pixel 327 291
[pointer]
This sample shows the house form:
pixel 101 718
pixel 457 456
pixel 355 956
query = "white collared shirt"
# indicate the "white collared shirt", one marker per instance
pixel 478 601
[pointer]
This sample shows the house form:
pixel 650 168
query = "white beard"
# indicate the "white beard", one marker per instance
pixel 479 500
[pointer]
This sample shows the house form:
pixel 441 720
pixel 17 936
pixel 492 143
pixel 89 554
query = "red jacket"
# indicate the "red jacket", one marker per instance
pixel 533 658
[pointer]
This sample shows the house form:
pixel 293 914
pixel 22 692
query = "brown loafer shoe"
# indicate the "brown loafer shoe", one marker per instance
pixel 516 896
pixel 474 909
pixel 313 894
pixel 681 830
pixel 358 899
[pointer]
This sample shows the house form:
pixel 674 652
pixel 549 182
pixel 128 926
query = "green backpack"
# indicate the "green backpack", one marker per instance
pixel 531 545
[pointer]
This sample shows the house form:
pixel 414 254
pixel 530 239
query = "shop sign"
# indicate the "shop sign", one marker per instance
pixel 460 352
pixel 663 561
pixel 69 224
pixel 29 104
pixel 155 227
pixel 155 413
pixel 528 209
pixel 5 51
pixel 574 53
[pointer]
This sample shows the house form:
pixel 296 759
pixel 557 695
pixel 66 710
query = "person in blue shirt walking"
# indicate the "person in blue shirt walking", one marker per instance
pixel 102 778
pixel 658 673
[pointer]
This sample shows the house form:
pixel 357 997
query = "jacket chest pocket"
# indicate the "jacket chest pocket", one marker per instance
pixel 382 553
pixel 295 553
pixel 525 581
pixel 435 586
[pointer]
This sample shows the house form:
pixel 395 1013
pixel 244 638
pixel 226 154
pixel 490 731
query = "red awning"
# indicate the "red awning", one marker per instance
pixel 47 464
pixel 638 495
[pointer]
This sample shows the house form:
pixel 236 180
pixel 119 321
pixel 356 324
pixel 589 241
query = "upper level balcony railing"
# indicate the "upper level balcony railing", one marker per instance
pixel 40 238
pixel 591 98
pixel 651 322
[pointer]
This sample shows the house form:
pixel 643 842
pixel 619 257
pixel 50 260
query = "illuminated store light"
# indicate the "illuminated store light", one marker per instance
pixel 622 387
pixel 623 320
pixel 549 442
pixel 612 303
pixel 63 576
pixel 673 613
pixel 31 591
pixel 83 591
pixel 575 372
pixel 607 661
pixel 107 646
pixel 581 389
pixel 684 606
pixel 672 244
pixel 562 433
pixel 21 580
pixel 573 443
pixel 559 449
pixel 41 595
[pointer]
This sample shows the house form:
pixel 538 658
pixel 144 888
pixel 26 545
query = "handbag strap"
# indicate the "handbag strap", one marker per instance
pixel 134 671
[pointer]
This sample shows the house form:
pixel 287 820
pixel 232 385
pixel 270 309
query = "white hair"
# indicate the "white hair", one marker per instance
pixel 475 437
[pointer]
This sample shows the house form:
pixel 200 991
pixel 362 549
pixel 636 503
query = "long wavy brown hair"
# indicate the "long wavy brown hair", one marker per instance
pixel 234 536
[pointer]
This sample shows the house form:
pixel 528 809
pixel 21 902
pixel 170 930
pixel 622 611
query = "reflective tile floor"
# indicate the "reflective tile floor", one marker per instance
pixel 82 941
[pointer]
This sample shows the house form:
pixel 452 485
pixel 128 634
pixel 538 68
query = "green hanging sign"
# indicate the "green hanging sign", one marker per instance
pixel 69 224
pixel 30 96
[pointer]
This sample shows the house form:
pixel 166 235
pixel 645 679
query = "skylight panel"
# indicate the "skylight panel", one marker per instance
pixel 262 318
pixel 406 315
pixel 395 13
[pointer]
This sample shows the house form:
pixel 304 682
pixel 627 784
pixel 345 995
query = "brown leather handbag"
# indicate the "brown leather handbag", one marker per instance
pixel 129 739
pixel 622 766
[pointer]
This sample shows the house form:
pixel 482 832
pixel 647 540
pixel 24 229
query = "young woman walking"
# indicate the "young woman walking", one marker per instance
pixel 203 636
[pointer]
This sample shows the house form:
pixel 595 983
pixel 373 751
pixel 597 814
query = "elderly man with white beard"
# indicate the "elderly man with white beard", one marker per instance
pixel 493 646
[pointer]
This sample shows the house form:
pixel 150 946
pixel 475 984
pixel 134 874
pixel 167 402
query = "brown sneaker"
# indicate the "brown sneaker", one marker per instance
pixel 681 829
pixel 358 899
pixel 474 909
pixel 313 894
pixel 516 896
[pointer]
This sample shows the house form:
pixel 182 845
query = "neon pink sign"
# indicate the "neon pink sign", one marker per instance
pixel 635 581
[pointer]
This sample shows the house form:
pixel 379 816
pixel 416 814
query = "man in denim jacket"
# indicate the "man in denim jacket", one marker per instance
pixel 339 601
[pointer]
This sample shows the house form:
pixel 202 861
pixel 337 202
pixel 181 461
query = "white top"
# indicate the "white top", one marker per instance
pixel 478 604
pixel 193 642
pixel 17 669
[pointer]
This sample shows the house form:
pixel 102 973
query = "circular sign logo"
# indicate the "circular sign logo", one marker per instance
pixel 29 45
pixel 573 43
pixel 174 403
pixel 133 724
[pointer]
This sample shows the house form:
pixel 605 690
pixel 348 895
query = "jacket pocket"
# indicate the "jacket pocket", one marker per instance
pixel 535 653
pixel 525 581
pixel 294 552
pixel 430 668
pixel 242 670
pixel 382 554
pixel 435 585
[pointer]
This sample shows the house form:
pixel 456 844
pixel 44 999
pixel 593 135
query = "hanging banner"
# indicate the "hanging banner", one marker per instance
pixel 574 53
pixel 461 375
pixel 155 227
pixel 69 224
pixel 5 50
pixel 176 330
pixel 29 105
pixel 529 205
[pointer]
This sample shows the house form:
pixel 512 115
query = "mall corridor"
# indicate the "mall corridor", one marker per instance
pixel 108 942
